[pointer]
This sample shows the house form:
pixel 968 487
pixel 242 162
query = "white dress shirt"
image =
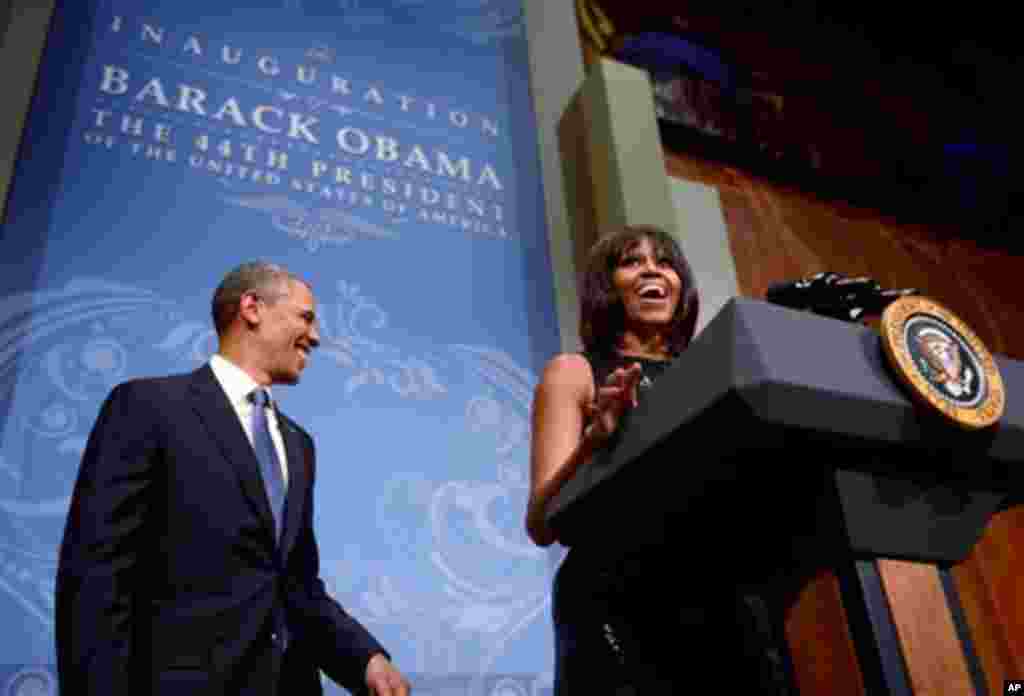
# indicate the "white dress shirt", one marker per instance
pixel 238 385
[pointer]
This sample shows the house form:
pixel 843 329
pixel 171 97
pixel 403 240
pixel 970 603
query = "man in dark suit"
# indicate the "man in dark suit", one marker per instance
pixel 189 564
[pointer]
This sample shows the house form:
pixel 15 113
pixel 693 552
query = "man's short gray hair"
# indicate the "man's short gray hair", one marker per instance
pixel 267 280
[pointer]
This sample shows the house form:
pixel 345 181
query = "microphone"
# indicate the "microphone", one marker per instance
pixel 834 295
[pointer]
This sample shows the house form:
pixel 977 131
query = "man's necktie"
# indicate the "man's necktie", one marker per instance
pixel 266 453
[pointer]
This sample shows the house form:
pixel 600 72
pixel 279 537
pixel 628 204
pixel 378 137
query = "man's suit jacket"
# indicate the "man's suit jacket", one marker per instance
pixel 170 578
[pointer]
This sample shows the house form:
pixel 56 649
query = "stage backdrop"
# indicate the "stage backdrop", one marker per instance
pixel 385 151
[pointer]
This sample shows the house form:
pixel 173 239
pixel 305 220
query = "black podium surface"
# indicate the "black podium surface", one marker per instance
pixel 792 425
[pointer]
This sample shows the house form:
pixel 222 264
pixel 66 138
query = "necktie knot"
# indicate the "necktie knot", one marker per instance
pixel 260 397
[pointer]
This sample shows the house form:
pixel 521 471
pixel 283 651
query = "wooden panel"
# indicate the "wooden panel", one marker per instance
pixel 778 232
pixel 820 644
pixel 931 649
pixel 988 583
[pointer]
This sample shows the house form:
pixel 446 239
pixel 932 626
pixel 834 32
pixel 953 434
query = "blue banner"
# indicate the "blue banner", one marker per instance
pixel 386 152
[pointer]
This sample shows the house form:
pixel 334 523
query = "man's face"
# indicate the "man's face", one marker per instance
pixel 289 332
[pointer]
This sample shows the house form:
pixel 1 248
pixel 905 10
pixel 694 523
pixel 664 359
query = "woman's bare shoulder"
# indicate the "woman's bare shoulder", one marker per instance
pixel 568 374
pixel 568 368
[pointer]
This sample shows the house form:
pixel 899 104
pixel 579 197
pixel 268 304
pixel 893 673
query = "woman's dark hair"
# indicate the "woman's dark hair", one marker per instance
pixel 602 315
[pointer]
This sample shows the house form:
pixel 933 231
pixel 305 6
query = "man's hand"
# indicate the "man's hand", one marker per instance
pixel 383 679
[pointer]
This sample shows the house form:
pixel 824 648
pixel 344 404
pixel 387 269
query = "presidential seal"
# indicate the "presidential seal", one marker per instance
pixel 945 365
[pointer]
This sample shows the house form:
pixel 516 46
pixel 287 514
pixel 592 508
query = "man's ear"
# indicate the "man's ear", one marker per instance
pixel 250 309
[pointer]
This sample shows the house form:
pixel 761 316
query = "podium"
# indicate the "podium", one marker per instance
pixel 779 447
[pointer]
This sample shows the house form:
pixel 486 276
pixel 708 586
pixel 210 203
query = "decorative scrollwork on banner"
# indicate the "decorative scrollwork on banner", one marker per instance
pixel 314 227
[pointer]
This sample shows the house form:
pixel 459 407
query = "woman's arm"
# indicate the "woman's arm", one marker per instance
pixel 564 401
pixel 557 445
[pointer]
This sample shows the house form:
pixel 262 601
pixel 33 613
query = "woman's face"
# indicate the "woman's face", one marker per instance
pixel 647 284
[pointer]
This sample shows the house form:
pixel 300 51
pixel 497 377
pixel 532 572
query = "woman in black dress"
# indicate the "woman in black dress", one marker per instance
pixel 620 627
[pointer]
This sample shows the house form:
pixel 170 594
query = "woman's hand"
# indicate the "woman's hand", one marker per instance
pixel 618 393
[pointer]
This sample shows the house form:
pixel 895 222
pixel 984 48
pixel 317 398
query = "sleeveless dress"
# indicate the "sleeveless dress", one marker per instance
pixel 629 623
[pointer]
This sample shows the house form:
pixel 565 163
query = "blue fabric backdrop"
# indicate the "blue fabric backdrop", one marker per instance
pixel 386 151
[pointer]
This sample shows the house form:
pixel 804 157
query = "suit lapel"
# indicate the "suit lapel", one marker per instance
pixel 298 483
pixel 221 421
